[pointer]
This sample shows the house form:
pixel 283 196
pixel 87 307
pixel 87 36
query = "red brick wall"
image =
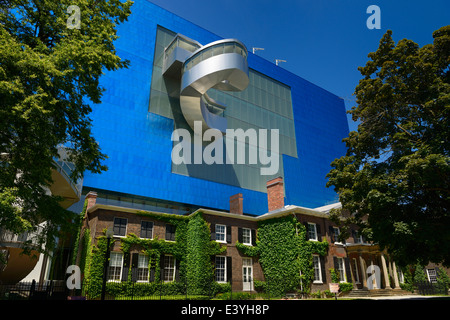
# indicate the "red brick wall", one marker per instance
pixel 275 194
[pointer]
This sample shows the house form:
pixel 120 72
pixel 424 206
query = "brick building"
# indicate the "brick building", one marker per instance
pixel 350 260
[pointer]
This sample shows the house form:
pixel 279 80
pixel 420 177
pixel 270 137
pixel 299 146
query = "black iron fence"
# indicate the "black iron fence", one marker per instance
pixel 49 290
pixel 127 290
pixel 179 290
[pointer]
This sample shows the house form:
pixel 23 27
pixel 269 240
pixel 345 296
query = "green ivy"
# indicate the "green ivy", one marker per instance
pixel 200 250
pixel 281 247
pixel 283 252
pixel 193 249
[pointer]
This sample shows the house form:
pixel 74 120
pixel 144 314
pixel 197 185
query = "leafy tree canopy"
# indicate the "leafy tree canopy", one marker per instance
pixel 395 176
pixel 49 77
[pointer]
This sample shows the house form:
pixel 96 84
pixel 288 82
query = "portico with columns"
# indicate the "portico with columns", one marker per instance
pixel 364 255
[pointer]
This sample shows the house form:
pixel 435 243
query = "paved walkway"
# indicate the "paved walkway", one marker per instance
pixel 405 297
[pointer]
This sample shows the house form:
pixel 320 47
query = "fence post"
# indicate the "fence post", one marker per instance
pixel 32 289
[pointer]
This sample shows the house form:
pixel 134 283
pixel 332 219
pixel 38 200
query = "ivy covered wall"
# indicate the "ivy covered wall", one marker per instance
pixel 284 254
pixel 286 257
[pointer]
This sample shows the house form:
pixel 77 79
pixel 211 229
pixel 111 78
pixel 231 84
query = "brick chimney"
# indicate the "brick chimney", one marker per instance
pixel 237 204
pixel 275 194
pixel 91 198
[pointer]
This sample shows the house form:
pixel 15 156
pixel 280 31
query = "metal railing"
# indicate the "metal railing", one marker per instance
pixel 49 290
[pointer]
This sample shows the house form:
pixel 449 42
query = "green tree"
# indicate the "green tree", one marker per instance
pixel 49 78
pixel 395 176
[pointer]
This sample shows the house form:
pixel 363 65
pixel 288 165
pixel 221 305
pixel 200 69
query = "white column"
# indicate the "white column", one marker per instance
pixel 385 272
pixel 363 272
pixel 397 285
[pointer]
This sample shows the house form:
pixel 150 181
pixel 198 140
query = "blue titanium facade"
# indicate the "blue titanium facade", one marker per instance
pixel 138 142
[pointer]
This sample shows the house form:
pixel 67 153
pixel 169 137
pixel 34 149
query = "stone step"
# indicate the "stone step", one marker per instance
pixel 376 293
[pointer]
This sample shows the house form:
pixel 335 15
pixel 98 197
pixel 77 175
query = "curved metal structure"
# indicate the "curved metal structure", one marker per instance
pixel 221 65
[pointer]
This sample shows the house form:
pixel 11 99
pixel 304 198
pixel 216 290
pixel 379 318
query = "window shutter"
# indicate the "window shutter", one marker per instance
pixel 240 238
pixel 253 232
pixel 125 266
pixel 348 270
pixel 170 232
pixel 331 233
pixel 213 231
pixel 336 266
pixel 161 267
pixel 229 270
pixel 177 270
pixel 152 275
pixel 228 234
pixel 322 267
pixel 134 266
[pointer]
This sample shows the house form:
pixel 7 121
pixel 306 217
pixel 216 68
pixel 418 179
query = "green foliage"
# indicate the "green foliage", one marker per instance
pixel 94 276
pixel 443 281
pixel 49 75
pixel 251 251
pixel 283 252
pixel 335 277
pixel 345 286
pixel 419 274
pixel 395 177
pixel 193 250
pixel 200 249
pixel 408 284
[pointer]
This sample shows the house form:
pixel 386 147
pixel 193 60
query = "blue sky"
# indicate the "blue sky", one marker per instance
pixel 323 41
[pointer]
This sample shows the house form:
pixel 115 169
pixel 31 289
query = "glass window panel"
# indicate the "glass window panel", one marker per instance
pixel 169 268
pixel 221 269
pixel 220 233
pixel 218 49
pixel 229 48
pixel 246 237
pixel 207 54
pixel 270 87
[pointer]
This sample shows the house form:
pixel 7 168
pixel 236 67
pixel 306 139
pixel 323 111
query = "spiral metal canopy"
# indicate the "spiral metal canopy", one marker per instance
pixel 220 65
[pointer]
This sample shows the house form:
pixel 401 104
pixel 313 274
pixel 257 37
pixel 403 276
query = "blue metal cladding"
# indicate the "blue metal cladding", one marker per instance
pixel 138 142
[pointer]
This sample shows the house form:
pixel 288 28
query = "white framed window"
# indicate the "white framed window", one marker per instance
pixel 358 238
pixel 432 275
pixel 221 269
pixel 247 236
pixel 146 230
pixel 312 231
pixel 120 227
pixel 142 271
pixel 170 232
pixel 115 266
pixel 317 269
pixel 341 269
pixel 336 233
pixel 169 268
pixel 221 233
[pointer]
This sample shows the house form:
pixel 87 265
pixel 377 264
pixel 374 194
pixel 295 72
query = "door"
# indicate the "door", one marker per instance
pixel 247 274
